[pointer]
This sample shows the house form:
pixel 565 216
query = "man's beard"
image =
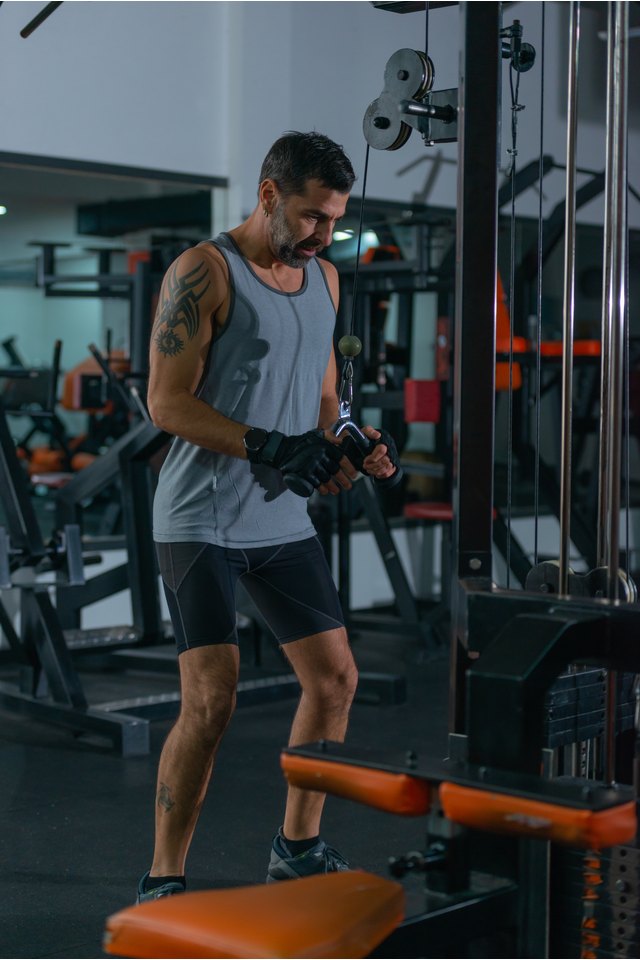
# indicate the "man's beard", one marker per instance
pixel 283 241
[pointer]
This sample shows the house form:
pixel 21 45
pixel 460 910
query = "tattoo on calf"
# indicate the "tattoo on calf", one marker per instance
pixel 180 306
pixel 164 798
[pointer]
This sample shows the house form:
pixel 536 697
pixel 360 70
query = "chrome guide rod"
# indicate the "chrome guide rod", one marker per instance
pixel 607 316
pixel 615 298
pixel 568 299
pixel 616 253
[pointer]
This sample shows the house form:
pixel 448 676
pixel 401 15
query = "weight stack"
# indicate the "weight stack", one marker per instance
pixel 594 903
pixel 575 707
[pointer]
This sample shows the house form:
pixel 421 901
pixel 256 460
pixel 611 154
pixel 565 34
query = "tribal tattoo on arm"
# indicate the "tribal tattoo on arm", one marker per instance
pixel 180 307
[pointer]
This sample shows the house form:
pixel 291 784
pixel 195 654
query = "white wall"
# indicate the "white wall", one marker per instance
pixel 132 83
pixel 318 66
pixel 206 87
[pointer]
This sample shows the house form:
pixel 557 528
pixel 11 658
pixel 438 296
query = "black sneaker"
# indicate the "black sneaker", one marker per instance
pixel 320 858
pixel 164 890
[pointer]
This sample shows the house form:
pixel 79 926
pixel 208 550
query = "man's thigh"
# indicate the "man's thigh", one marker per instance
pixel 294 591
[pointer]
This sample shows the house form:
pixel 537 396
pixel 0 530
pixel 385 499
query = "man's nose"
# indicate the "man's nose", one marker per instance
pixel 324 233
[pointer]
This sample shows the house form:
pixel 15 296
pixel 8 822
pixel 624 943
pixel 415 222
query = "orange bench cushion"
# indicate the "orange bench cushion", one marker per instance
pixel 343 914
pixel 504 813
pixel 398 793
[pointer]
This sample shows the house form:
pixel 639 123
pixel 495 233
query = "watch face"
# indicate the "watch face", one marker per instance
pixel 255 438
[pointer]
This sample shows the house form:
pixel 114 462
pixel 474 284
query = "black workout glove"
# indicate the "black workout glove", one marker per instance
pixel 305 461
pixel 357 455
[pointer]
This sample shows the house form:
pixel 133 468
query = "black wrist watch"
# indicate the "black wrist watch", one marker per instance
pixel 254 440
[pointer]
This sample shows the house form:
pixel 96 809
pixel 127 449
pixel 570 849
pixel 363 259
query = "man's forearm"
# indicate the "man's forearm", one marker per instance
pixel 328 412
pixel 184 415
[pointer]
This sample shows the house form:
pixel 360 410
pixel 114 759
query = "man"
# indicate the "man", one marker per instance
pixel 243 374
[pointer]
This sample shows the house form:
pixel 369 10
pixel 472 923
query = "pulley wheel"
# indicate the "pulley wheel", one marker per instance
pixel 597 582
pixel 382 125
pixel 409 74
pixel 545 578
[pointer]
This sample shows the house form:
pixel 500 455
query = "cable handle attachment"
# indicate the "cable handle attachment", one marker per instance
pixel 356 444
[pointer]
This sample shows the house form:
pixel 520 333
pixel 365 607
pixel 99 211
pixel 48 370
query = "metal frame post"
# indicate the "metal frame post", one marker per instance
pixel 479 101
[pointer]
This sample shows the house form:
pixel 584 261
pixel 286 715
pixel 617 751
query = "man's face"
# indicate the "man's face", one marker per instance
pixel 302 225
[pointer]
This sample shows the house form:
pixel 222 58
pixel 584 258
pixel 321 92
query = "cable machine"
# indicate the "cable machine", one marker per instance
pixel 526 854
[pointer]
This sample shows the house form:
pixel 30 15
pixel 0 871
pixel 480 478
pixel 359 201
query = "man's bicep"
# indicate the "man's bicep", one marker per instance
pixel 188 297
pixel 182 329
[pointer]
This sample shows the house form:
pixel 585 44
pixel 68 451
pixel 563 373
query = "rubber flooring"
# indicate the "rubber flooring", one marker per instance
pixel 76 817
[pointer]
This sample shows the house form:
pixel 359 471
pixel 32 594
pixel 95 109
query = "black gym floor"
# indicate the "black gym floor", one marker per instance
pixel 76 818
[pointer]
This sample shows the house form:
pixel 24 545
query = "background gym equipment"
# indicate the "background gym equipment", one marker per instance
pixel 528 851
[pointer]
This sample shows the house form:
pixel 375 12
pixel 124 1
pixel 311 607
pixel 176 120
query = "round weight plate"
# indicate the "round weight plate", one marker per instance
pixel 408 74
pixel 382 127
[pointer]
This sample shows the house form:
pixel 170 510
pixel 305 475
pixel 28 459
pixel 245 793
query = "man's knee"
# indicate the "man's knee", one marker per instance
pixel 336 687
pixel 207 715
pixel 208 679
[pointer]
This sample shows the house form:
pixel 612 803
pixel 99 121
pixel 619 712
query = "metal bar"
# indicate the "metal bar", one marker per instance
pixel 52 398
pixel 62 676
pixel 480 86
pixel 607 316
pixel 140 325
pixel 71 599
pixel 15 647
pixel 618 295
pixel 476 292
pixel 403 594
pixel 568 299
pixel 137 508
pixel 129 735
pixel 20 517
pixel 5 568
pixel 39 18
pixel 615 299
pixel 73 554
pixel 114 381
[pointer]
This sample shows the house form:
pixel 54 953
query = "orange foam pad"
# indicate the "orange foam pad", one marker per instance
pixel 570 826
pixel 398 793
pixel 343 914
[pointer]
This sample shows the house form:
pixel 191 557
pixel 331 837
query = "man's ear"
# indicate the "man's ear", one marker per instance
pixel 268 195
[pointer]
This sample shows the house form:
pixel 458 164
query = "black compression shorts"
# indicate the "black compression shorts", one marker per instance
pixel 291 585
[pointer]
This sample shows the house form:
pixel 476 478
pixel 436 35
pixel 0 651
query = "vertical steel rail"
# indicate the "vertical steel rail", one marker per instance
pixel 479 94
pixel 569 299
pixel 607 316
pixel 615 298
pixel 615 270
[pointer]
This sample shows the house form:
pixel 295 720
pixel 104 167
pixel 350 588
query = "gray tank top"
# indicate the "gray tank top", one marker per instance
pixel 265 369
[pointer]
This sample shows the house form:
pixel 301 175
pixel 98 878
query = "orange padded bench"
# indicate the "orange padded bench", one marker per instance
pixel 570 826
pixel 479 808
pixel 398 793
pixel 343 914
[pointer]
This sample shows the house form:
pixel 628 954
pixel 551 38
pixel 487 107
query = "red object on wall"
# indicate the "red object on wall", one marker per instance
pixel 422 401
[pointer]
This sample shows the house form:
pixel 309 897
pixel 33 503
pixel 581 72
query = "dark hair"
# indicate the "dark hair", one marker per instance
pixel 297 157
